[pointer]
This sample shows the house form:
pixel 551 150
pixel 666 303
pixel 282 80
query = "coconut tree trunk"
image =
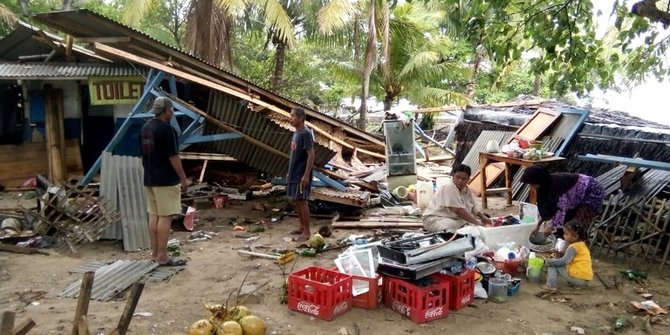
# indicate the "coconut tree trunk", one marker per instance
pixel 388 101
pixel 537 86
pixel 472 84
pixel 67 4
pixel 357 46
pixel 280 58
pixel 370 59
pixel 24 7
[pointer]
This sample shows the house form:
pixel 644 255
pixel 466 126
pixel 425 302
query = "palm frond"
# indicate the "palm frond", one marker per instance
pixel 335 15
pixel 345 71
pixel 233 7
pixel 7 16
pixel 438 96
pixel 136 10
pixel 418 61
pixel 276 17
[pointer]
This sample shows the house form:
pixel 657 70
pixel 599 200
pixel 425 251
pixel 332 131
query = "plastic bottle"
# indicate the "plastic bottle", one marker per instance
pixel 471 263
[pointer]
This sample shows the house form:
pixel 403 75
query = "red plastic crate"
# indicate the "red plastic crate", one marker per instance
pixel 320 292
pixel 420 304
pixel 373 297
pixel 462 289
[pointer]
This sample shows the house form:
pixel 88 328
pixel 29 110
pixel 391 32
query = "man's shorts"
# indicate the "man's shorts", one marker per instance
pixel 293 191
pixel 163 200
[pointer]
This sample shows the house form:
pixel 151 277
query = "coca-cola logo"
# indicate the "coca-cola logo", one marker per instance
pixel 466 300
pixel 308 308
pixel 341 308
pixel 400 308
pixel 434 312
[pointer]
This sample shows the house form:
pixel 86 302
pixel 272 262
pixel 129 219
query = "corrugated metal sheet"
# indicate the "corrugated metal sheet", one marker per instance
pixel 112 279
pixel 69 70
pixel 260 127
pixel 20 43
pixel 92 266
pixel 164 273
pixel 611 180
pixel 85 23
pixel 472 158
pixel 109 192
pixel 132 203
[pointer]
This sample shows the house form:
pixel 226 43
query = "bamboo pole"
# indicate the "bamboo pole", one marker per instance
pixel 53 123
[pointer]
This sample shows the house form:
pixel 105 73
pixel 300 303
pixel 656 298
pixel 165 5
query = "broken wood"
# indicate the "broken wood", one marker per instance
pixel 7 323
pixel 24 327
pixel 129 310
pixel 368 225
pixel 83 301
pixel 21 250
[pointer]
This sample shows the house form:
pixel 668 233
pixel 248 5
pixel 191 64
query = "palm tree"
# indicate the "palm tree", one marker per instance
pixel 416 63
pixel 338 13
pixel 211 22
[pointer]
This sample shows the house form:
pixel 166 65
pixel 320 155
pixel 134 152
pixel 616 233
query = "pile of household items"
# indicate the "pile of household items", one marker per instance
pixel 421 275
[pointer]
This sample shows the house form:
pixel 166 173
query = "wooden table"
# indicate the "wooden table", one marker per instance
pixel 486 158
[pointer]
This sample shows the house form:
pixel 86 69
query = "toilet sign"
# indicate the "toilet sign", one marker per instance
pixel 115 90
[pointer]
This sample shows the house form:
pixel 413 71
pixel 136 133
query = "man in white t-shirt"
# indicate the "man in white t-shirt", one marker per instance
pixel 453 205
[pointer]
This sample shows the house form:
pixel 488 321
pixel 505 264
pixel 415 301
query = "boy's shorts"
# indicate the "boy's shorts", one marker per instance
pixel 163 200
pixel 293 191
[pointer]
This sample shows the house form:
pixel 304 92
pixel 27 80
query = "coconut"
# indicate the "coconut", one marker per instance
pixel 229 328
pixel 316 241
pixel 201 327
pixel 239 312
pixel 252 325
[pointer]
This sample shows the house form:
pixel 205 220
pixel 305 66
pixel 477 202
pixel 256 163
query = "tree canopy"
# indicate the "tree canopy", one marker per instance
pixel 431 52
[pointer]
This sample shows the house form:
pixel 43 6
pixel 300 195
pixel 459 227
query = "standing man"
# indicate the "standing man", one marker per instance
pixel 164 178
pixel 299 179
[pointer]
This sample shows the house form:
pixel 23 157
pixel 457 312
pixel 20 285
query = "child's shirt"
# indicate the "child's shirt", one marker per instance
pixel 577 260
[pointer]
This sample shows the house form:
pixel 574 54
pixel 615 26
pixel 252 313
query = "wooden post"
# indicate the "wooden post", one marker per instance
pixel 53 123
pixel 7 323
pixel 82 326
pixel 202 172
pixel 84 299
pixel 483 162
pixel 60 114
pixel 128 312
pixel 508 183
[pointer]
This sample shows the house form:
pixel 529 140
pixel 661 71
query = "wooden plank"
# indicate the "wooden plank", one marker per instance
pixel 21 250
pixel 82 326
pixel 118 39
pixel 24 327
pixel 368 225
pixel 224 89
pixel 532 129
pixel 205 156
pixel 83 301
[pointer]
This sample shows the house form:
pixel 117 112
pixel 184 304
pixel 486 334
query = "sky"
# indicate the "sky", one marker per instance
pixel 645 100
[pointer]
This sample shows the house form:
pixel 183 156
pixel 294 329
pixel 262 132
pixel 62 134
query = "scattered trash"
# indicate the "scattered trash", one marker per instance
pixel 620 322
pixel 650 307
pixel 143 314
pixel 238 228
pixel 256 229
pixel 201 235
pixel 325 231
pixel 647 295
pixel 173 247
pixel 578 330
pixel 633 275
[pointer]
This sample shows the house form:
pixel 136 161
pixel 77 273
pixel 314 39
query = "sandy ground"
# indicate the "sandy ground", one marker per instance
pixel 29 285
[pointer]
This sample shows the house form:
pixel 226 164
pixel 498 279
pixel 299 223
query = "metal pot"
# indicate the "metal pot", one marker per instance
pixel 561 245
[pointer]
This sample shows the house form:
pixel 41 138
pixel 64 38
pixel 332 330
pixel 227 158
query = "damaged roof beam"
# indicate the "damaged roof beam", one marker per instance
pixel 193 78
pixel 211 138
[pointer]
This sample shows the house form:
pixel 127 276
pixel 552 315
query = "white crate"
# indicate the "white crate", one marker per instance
pixel 495 236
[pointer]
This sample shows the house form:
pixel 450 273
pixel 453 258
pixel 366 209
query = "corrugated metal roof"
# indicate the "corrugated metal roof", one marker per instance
pixel 69 70
pixel 112 279
pixel 83 23
pixel 90 267
pixel 472 158
pixel 260 127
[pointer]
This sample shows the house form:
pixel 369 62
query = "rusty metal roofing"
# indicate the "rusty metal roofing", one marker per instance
pixel 112 279
pixel 260 127
pixel 65 70
pixel 83 23
pixel 28 40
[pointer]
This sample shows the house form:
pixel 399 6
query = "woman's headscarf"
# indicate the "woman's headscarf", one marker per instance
pixel 551 187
